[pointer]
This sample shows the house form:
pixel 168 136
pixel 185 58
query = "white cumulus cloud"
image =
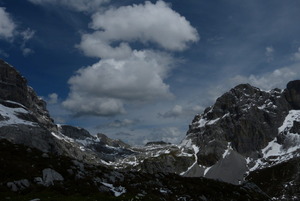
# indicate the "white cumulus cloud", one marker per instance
pixel 150 22
pixel 125 75
pixel 138 78
pixel 78 5
pixel 85 104
pixel 94 46
pixel 7 25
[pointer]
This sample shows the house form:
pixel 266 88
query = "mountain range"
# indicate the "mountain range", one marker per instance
pixel 246 146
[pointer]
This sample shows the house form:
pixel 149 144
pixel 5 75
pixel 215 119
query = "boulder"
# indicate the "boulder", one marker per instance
pixel 50 175
pixel 18 185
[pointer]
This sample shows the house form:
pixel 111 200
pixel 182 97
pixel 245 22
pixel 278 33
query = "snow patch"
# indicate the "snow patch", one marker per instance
pixel 118 191
pixel 164 191
pixel 196 150
pixel 228 150
pixel 10 116
pixel 275 153
pixel 272 149
pixel 294 115
pixel 87 141
pixel 186 143
pixel 203 122
pixel 206 170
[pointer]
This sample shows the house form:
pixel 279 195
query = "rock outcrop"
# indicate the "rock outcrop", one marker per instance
pixel 293 94
pixel 75 133
pixel 25 120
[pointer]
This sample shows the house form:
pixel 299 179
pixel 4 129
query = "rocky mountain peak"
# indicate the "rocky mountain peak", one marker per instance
pixel 14 90
pixel 243 122
pixel 239 114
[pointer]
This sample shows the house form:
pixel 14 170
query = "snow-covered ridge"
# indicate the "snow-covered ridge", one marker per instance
pixel 154 151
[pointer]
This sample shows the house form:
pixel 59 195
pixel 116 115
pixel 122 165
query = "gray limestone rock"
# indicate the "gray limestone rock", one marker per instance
pixel 50 175
pixel 31 136
pixel 18 185
pixel 75 132
pixel 230 169
pixel 38 180
pixel 167 164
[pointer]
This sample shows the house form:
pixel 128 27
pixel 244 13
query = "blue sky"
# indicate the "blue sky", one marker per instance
pixel 140 70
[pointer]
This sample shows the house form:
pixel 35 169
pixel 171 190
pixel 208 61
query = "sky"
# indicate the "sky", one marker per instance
pixel 139 71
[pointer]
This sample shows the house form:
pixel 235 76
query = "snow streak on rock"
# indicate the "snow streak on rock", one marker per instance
pixel 9 116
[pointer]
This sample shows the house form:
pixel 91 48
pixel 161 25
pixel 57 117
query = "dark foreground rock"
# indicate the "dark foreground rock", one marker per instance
pixel 27 174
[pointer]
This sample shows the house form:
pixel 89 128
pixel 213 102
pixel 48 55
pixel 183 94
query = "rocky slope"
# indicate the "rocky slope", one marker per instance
pixel 245 136
pixel 29 174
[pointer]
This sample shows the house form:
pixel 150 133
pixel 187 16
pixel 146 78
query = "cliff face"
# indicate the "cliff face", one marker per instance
pixel 14 89
pixel 245 116
pixel 13 85
pixel 293 94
